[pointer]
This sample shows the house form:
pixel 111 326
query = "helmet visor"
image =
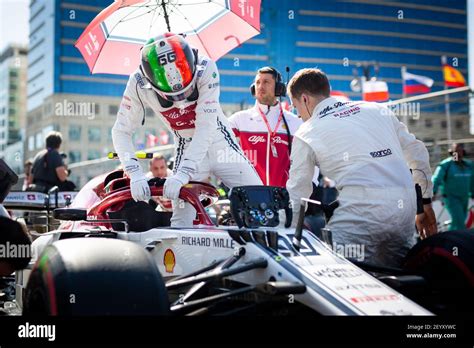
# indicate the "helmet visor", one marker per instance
pixel 177 96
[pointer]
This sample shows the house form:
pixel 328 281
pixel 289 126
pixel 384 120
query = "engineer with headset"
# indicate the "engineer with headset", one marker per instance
pixel 265 130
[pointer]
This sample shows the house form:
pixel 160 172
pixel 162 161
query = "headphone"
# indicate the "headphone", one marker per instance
pixel 280 87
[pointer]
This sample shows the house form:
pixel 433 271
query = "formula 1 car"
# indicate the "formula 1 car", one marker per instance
pixel 114 256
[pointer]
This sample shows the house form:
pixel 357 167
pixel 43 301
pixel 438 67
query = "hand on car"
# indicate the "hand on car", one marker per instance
pixel 139 187
pixel 173 184
pixel 426 222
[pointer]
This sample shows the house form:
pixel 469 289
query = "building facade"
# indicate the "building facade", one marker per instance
pixel 339 36
pixel 13 75
pixel 334 35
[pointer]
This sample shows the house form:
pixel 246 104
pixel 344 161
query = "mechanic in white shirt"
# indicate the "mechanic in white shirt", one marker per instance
pixel 365 149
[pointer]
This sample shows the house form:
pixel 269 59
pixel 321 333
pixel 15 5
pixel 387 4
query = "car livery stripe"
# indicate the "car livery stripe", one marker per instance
pixel 310 282
pixel 179 151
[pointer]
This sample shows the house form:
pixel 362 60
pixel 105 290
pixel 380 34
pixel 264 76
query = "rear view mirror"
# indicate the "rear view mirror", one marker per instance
pixel 70 214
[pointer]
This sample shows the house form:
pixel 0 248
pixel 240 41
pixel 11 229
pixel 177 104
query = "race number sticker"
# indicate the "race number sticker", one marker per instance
pixel 362 291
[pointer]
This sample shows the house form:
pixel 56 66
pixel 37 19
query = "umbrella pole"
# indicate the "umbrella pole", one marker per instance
pixel 163 4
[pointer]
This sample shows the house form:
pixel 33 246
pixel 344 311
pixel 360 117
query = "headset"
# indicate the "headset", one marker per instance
pixel 280 87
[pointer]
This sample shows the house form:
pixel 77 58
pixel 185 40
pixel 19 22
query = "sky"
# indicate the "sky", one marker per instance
pixel 14 15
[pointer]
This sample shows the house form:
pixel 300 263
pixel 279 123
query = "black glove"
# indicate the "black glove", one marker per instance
pixel 328 209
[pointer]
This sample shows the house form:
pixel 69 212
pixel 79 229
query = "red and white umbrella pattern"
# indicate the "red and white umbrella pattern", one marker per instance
pixel 111 43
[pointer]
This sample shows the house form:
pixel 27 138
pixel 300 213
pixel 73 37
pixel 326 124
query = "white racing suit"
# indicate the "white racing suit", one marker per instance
pixel 365 150
pixel 205 143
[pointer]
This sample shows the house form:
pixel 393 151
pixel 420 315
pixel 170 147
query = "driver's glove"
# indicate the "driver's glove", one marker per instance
pixel 173 185
pixel 138 182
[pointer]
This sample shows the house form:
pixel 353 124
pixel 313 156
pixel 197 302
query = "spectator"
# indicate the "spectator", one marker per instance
pixel 28 178
pixel 158 167
pixel 265 131
pixel 66 185
pixel 48 166
pixel 455 178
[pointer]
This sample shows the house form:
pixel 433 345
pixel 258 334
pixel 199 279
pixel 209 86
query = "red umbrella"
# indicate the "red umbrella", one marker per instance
pixel 111 43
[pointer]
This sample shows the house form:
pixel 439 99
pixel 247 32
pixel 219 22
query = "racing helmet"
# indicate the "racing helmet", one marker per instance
pixel 169 64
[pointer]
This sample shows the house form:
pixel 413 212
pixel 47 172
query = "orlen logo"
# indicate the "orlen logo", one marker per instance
pixel 255 139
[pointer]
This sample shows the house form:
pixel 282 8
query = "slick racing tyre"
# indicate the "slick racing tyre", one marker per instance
pixel 95 276
pixel 446 262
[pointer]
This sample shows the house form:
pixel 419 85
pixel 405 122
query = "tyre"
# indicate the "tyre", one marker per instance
pixel 95 276
pixel 446 261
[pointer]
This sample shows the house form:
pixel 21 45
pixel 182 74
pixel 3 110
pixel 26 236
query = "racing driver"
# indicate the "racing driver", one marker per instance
pixel 365 149
pixel 182 87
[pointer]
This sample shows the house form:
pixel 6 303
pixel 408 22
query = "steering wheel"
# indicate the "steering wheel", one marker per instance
pixel 200 195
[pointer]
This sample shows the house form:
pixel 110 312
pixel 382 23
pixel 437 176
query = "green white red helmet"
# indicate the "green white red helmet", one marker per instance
pixel 169 64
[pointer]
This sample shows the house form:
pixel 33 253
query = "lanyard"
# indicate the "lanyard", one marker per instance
pixel 268 124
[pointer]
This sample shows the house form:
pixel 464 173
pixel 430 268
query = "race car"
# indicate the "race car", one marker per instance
pixel 114 256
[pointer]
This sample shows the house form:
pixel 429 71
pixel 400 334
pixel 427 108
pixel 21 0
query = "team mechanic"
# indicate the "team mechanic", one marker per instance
pixel 365 149
pixel 182 87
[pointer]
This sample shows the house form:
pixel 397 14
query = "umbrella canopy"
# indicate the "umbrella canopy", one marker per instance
pixel 111 43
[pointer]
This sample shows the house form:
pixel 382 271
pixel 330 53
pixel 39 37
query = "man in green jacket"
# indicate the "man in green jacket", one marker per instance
pixel 455 177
